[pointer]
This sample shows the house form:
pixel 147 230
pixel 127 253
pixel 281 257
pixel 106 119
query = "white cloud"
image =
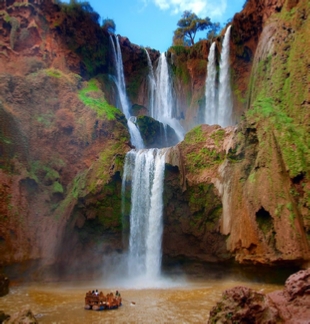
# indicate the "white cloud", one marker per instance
pixel 202 8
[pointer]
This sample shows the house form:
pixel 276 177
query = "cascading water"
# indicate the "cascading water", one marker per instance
pixel 152 84
pixel 146 170
pixel 120 79
pixel 211 93
pixel 225 100
pixel 164 103
pixel 135 135
pixel 219 103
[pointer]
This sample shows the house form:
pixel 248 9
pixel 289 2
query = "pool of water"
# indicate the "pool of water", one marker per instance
pixel 174 299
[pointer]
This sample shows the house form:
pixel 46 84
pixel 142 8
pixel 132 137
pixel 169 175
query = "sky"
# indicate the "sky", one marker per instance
pixel 151 23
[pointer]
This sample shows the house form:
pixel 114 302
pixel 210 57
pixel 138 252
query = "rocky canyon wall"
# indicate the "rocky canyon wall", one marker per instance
pixel 239 193
pixel 262 173
pixel 62 145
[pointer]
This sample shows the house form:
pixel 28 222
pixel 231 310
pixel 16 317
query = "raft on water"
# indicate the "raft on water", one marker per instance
pixel 100 301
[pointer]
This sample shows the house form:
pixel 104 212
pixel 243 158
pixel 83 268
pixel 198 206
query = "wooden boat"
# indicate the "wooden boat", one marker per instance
pixel 99 301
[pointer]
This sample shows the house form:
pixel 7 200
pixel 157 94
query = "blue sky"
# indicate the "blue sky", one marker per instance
pixel 151 23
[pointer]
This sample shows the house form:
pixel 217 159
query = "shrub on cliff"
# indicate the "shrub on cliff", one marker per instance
pixel 82 32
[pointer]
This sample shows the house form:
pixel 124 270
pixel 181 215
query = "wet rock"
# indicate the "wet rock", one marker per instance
pixel 244 305
pixel 25 316
pixel 294 301
pixel 3 317
pixel 4 285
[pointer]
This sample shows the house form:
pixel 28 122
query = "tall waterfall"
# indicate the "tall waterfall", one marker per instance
pixel 135 135
pixel 152 84
pixel 211 93
pixel 164 104
pixel 146 170
pixel 225 100
pixel 219 103
pixel 120 79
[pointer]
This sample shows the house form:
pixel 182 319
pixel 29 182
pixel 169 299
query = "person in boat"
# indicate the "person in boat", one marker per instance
pixel 96 292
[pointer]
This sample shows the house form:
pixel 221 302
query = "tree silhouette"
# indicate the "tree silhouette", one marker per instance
pixel 189 25
pixel 109 25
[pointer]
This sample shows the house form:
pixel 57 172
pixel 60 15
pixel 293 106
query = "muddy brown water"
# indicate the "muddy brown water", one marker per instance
pixel 173 300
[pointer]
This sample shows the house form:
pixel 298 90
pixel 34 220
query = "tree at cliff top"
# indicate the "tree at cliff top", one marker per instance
pixel 109 25
pixel 189 25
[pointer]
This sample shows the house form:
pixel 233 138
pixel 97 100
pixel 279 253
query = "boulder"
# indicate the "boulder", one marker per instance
pixel 244 305
pixel 3 317
pixel 25 316
pixel 4 285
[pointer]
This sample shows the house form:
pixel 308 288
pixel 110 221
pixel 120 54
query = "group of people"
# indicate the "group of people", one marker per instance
pixel 96 293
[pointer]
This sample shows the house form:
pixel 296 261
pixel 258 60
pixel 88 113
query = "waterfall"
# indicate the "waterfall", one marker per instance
pixel 146 168
pixel 135 135
pixel 225 100
pixel 152 84
pixel 211 95
pixel 120 79
pixel 164 103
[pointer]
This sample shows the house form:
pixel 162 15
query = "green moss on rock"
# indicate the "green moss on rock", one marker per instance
pixel 93 98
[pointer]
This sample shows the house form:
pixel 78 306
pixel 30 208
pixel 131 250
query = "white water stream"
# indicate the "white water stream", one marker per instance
pixel 211 92
pixel 145 168
pixel 152 84
pixel 164 110
pixel 225 100
pixel 135 135
pixel 219 104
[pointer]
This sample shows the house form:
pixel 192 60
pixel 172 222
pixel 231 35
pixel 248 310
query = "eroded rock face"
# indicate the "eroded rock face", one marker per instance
pixel 242 192
pixel 244 305
pixel 58 152
pixel 192 203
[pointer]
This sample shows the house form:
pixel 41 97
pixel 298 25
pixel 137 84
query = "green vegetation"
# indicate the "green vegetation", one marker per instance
pixel 14 27
pixel 291 137
pixel 79 9
pixel 43 173
pixel 58 188
pixel 85 36
pixel 205 206
pixel 46 119
pixel 4 139
pixel 202 159
pixel 6 16
pixel 283 77
pixel 54 73
pixel 182 73
pixel 91 97
pixel 106 159
pixel 180 50
pixel 195 136
pixel 79 184
pixel 218 136
pixel 279 210
pixel 108 25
